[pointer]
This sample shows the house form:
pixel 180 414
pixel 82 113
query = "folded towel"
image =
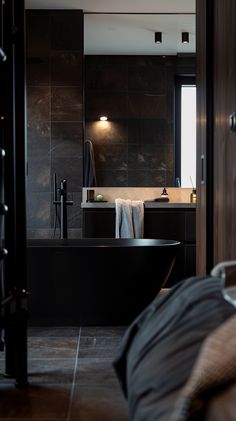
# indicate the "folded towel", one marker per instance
pixel 138 217
pixel 129 218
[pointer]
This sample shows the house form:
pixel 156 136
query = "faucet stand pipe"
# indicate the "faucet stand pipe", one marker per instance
pixel 63 203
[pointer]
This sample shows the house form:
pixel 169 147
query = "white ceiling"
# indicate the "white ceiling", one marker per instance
pixel 134 34
pixel 131 34
pixel 115 6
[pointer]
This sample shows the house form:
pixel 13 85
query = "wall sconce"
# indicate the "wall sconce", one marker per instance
pixel 103 118
pixel 185 37
pixel 158 37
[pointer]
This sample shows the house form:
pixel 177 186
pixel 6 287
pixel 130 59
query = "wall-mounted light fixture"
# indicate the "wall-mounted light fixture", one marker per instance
pixel 103 118
pixel 185 37
pixel 158 37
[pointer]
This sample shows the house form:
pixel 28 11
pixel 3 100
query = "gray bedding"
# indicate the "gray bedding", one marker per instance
pixel 158 350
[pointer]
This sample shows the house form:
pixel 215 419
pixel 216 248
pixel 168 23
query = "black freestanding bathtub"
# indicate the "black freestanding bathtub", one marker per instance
pixel 95 281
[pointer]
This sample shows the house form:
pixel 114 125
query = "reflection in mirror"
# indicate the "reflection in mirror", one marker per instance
pixel 131 79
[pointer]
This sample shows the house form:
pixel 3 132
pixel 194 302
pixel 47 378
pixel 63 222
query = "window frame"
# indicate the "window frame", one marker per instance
pixel 179 82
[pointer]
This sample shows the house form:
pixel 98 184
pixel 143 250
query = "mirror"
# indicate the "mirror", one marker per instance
pixel 131 79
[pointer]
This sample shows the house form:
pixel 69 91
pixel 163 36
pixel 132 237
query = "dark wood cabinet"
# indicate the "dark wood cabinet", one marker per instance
pixel 168 223
pixel 175 224
pixel 98 223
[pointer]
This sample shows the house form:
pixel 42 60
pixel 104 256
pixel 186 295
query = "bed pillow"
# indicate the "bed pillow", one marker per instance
pixel 158 350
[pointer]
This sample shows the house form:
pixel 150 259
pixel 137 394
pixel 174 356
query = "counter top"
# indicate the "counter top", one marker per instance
pixel 147 204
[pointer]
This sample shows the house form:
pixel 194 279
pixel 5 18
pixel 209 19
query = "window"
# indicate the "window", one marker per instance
pixel 185 136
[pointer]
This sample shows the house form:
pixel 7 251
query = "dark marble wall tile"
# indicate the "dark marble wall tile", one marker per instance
pixel 37 49
pixel 38 34
pixel 38 71
pixel 150 61
pixel 53 233
pixel 150 157
pixel 147 105
pixel 66 31
pixel 111 157
pixel 106 132
pixel 147 78
pixel 38 139
pixel 186 65
pixel 113 105
pixel 38 104
pixel 67 104
pixel 54 120
pixel 170 156
pixel 39 233
pixel 70 169
pixel 171 133
pixel 147 178
pixel 106 73
pixel 112 178
pixel 170 177
pixel 75 233
pixel 148 131
pixel 66 140
pixel 38 210
pixel 154 131
pixel 66 68
pixel 38 179
pixel 74 212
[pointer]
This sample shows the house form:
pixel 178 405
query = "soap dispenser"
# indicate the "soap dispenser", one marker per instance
pixel 163 197
pixel 193 194
pixel 164 193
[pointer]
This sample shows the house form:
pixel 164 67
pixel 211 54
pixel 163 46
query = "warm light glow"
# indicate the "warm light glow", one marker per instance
pixel 103 118
pixel 102 127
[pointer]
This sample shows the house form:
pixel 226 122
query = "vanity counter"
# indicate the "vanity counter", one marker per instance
pixel 147 204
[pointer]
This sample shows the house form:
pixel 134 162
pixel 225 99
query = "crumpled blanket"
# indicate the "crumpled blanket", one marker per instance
pixel 213 372
pixel 159 350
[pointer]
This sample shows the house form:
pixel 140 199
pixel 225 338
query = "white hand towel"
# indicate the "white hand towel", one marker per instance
pixel 129 218
pixel 138 218
pixel 124 224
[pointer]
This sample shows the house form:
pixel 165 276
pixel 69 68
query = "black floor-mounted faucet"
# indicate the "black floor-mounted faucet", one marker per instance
pixel 60 199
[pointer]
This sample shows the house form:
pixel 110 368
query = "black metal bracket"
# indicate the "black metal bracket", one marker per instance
pixel 63 203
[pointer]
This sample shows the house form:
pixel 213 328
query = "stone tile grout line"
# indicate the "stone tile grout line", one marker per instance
pixel 74 376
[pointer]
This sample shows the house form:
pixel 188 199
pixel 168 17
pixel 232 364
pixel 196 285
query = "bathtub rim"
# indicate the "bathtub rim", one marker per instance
pixel 104 242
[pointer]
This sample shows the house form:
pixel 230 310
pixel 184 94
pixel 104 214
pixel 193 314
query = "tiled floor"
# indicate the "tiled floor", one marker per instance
pixel 71 377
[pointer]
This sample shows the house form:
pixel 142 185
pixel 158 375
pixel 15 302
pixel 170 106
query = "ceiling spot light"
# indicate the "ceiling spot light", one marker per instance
pixel 185 37
pixel 103 118
pixel 158 37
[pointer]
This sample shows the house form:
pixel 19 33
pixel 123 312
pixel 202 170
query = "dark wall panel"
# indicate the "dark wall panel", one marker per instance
pixel 224 137
pixel 54 115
